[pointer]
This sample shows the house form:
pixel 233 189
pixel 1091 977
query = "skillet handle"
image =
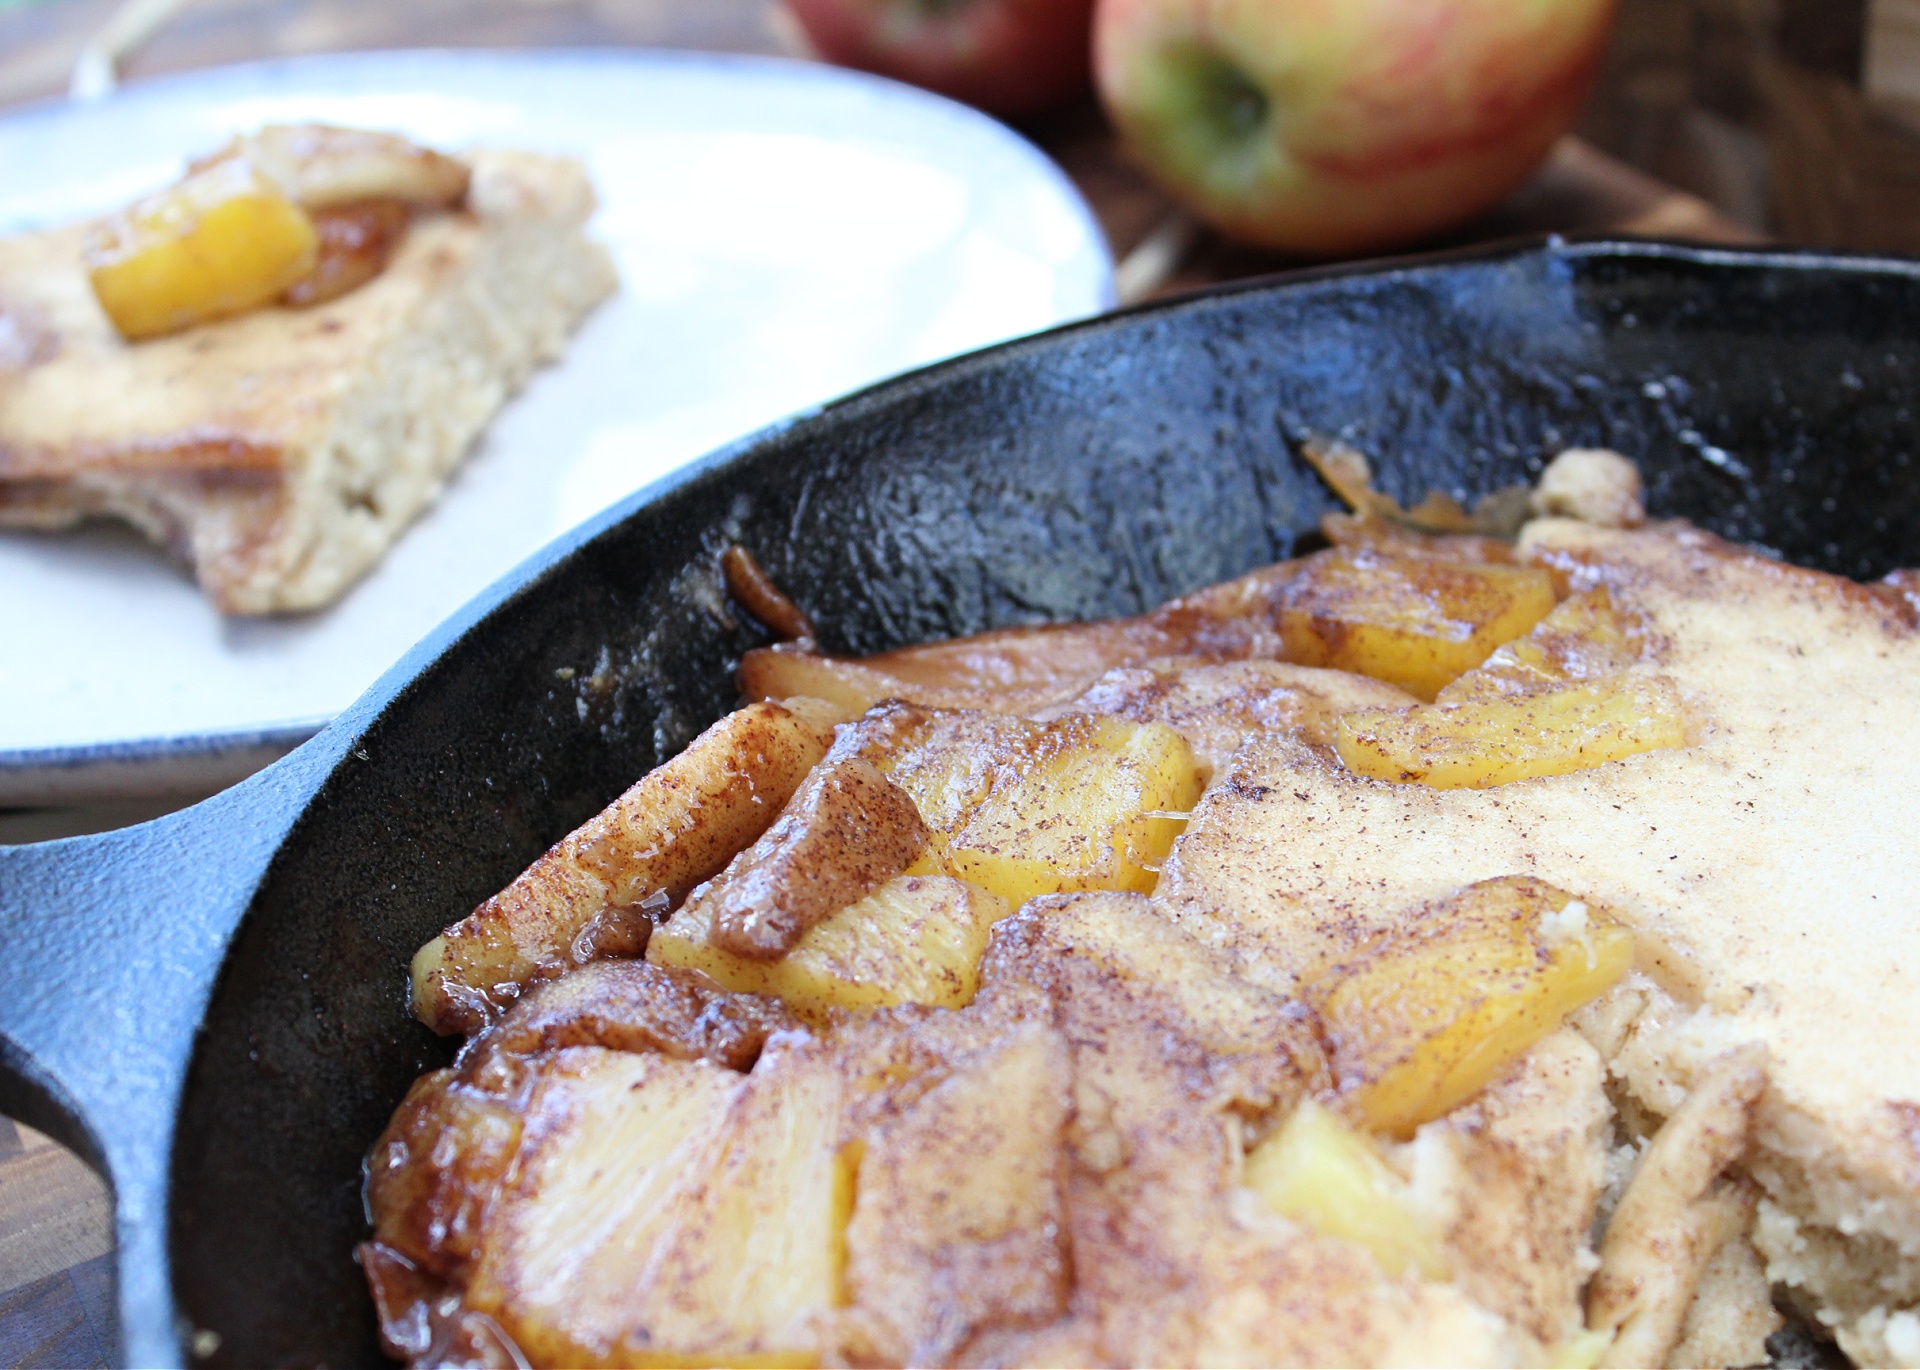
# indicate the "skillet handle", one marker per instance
pixel 109 949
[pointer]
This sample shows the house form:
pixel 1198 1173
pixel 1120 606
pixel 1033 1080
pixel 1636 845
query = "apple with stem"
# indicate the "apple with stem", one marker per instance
pixel 1337 127
pixel 1008 57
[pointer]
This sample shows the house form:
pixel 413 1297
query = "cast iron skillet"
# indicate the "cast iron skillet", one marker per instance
pixel 211 1007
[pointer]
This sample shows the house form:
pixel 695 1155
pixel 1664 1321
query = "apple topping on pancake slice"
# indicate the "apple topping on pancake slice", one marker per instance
pixel 589 894
pixel 222 241
pixel 305 212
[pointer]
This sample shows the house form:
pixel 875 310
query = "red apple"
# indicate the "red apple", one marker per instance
pixel 1005 56
pixel 1335 127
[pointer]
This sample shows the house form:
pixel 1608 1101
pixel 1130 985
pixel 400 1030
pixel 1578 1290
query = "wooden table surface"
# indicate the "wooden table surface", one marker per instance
pixel 55 1215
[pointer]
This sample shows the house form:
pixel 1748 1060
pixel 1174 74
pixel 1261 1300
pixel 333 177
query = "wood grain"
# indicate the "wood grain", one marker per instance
pixel 56 1266
pixel 62 1321
pixel 54 1212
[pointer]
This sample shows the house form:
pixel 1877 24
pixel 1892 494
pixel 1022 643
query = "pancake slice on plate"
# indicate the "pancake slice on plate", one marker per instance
pixel 280 452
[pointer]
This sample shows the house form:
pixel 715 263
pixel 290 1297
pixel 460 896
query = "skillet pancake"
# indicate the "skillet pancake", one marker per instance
pixel 280 452
pixel 1768 870
pixel 1536 1024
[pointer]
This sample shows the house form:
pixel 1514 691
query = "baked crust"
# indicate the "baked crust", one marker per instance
pixel 279 453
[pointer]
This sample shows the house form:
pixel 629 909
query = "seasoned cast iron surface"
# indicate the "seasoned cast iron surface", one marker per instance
pixel 1088 473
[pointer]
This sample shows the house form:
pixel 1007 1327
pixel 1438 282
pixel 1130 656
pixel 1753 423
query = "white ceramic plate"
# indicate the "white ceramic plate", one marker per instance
pixel 785 233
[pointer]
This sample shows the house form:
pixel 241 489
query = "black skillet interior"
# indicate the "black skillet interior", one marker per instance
pixel 1090 472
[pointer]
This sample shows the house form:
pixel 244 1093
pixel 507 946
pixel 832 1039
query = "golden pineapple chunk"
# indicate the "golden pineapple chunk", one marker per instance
pixel 1322 1174
pixel 1415 622
pixel 1419 1018
pixel 1495 741
pixel 1584 638
pixel 1086 802
pixel 669 1212
pixel 916 939
pixel 219 242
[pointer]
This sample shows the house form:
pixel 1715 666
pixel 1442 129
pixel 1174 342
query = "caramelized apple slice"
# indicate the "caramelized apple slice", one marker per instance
pixel 1022 809
pixel 916 939
pixel 1584 638
pixel 960 1222
pixel 432 1177
pixel 1422 1016
pixel 587 897
pixel 1019 670
pixel 630 1006
pixel 319 166
pixel 355 242
pixel 1322 1174
pixel 847 831
pixel 1413 621
pixel 1217 706
pixel 1500 740
pixel 221 241
pixel 1087 803
pixel 668 1212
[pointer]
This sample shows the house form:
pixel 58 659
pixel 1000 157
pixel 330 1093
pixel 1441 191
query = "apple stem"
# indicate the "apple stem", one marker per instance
pixel 1156 257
